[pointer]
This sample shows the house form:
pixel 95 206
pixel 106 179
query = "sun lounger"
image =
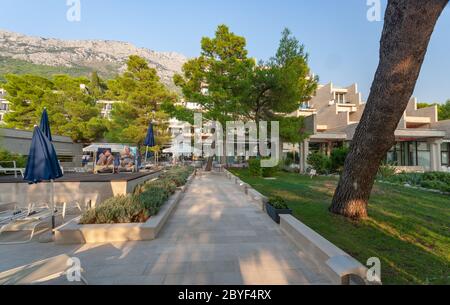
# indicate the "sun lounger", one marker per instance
pixel 4 207
pixel 31 218
pixel 26 222
pixel 40 272
pixel 8 216
pixel 14 169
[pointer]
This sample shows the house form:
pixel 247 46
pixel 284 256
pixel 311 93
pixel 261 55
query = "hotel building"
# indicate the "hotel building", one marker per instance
pixel 333 113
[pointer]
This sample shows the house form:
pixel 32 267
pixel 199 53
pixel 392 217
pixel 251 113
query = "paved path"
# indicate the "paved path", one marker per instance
pixel 216 236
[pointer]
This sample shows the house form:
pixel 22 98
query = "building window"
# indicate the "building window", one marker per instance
pixel 423 154
pixel 445 154
pixel 340 98
pixel 410 154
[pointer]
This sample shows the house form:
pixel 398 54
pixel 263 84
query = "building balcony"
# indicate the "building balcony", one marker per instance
pixel 414 122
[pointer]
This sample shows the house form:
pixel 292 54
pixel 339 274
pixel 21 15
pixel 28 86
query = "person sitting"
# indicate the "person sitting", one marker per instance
pixel 105 161
pixel 127 159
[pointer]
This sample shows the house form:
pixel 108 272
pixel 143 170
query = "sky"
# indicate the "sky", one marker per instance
pixel 342 44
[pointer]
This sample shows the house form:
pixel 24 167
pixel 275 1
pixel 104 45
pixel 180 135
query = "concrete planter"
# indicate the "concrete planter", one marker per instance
pixel 74 233
pixel 275 213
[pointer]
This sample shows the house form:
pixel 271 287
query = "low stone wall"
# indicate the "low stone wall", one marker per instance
pixel 81 192
pixel 74 233
pixel 252 194
pixel 331 260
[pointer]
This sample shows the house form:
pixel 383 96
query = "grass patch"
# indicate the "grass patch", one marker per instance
pixel 408 229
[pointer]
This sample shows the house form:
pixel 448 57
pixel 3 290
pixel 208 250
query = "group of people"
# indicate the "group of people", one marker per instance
pixel 106 160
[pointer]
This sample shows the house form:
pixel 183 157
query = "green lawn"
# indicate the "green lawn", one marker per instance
pixel 409 230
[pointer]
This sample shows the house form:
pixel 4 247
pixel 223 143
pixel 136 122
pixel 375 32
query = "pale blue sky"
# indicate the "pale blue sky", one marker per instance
pixel 343 45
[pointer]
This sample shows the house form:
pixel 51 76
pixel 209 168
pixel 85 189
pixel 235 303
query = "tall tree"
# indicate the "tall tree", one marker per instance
pixel 279 86
pixel 72 111
pixel 217 79
pixel 292 130
pixel 97 85
pixel 141 95
pixel 444 111
pixel 408 27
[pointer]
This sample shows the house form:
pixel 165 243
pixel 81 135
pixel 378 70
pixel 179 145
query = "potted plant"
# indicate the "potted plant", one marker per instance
pixel 277 206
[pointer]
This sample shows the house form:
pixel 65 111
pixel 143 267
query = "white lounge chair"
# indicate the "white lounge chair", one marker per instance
pixel 14 169
pixel 4 207
pixel 30 219
pixel 313 173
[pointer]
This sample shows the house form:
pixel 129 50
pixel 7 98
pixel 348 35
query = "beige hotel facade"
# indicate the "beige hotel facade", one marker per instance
pixel 333 113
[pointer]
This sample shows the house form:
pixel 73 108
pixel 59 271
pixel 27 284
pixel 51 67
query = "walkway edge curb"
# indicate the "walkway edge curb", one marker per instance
pixel 337 264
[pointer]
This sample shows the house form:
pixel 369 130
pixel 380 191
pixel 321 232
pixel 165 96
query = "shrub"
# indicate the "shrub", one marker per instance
pixel 153 198
pixel 278 203
pixel 168 186
pixel 121 209
pixel 385 172
pixel 437 176
pixel 338 157
pixel 254 166
pixel 145 202
pixel 433 180
pixel 288 162
pixel 320 162
pixel 436 185
pixel 267 172
pixel 178 175
pixel 5 155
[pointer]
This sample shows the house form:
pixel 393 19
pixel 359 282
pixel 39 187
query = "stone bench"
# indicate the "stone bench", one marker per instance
pixel 334 262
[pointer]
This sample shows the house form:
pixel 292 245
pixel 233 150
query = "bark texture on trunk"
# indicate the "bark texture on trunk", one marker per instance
pixel 408 27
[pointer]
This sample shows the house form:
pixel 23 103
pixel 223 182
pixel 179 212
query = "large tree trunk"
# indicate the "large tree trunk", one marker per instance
pixel 408 27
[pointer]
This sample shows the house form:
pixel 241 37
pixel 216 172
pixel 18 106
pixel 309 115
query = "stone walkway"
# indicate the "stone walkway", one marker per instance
pixel 216 236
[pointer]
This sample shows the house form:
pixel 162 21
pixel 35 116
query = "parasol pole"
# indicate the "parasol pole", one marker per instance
pixel 52 202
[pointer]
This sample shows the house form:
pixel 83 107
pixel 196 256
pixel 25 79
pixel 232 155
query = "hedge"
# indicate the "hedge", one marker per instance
pixel 146 200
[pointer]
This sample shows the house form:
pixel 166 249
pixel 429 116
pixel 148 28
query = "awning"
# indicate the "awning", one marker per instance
pixel 115 148
pixel 182 150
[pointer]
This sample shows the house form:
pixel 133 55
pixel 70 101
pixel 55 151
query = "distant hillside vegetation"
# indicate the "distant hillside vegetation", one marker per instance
pixel 17 66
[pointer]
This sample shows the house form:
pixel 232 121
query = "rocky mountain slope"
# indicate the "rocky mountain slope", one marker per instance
pixel 83 56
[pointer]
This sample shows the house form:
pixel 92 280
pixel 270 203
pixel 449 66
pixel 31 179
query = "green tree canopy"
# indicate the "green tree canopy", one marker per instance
pixel 72 110
pixel 141 97
pixel 279 86
pixel 217 79
pixel 443 109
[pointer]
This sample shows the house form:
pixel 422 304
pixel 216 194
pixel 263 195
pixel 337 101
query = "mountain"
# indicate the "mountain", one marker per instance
pixel 47 56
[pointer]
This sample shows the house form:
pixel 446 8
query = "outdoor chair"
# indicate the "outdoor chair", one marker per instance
pixel 104 169
pixel 42 272
pixel 14 169
pixel 313 173
pixel 30 219
pixel 4 207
